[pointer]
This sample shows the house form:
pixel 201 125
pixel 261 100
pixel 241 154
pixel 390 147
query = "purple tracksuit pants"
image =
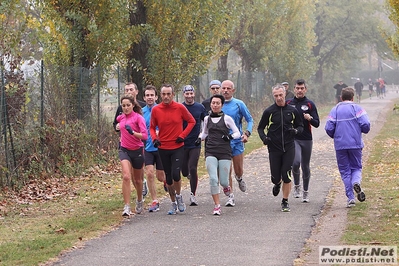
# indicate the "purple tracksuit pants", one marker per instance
pixel 350 167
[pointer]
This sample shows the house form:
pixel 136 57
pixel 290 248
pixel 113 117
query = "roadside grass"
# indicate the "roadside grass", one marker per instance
pixel 32 233
pixel 376 221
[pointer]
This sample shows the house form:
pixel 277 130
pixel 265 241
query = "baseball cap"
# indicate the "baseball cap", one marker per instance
pixel 188 88
pixel 215 82
pixel 285 83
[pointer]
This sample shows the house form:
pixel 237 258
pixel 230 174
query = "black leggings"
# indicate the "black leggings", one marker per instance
pixel 303 151
pixel 190 165
pixel 171 162
pixel 281 164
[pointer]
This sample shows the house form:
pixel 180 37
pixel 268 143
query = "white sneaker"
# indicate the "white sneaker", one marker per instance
pixel 351 203
pixel 305 197
pixel 241 184
pixel 139 207
pixel 230 202
pixel 180 204
pixel 217 210
pixel 193 200
pixel 297 191
pixel 126 211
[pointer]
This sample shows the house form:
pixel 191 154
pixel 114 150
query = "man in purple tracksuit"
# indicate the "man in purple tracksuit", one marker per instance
pixel 346 123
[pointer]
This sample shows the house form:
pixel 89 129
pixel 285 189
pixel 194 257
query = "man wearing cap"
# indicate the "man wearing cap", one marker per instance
pixel 214 88
pixel 338 88
pixel 192 151
pixel 237 110
pixel 288 94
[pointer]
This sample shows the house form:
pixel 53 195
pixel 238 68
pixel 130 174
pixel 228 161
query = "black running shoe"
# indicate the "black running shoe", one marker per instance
pixel 360 194
pixel 276 189
pixel 285 207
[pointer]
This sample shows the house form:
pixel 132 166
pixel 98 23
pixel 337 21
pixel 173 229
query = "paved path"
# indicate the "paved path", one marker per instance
pixel 254 232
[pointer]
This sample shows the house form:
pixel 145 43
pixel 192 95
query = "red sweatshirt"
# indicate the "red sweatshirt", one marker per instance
pixel 169 120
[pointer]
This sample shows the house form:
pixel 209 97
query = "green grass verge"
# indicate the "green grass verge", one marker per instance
pixel 34 233
pixel 376 221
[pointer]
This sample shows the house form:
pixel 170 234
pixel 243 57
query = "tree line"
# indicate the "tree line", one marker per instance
pixel 175 40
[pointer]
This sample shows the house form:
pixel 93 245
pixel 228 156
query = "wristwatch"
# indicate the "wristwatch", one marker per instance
pixel 247 133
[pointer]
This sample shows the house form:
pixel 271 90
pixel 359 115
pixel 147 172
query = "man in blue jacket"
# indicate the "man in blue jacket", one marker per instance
pixel 346 123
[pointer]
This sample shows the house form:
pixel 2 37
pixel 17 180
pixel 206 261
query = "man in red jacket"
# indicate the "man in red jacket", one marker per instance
pixel 168 117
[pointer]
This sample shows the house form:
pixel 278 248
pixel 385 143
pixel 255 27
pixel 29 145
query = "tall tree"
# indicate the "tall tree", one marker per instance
pixel 84 35
pixel 393 39
pixel 293 58
pixel 343 28
pixel 14 39
pixel 270 36
pixel 178 40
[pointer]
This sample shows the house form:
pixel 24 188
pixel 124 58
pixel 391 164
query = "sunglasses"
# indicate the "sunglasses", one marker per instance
pixel 215 88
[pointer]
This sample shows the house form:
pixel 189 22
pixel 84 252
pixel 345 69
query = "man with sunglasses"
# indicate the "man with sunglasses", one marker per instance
pixel 237 110
pixel 214 88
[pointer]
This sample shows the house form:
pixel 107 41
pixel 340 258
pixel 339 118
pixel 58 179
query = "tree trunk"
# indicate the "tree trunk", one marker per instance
pixel 223 72
pixel 137 54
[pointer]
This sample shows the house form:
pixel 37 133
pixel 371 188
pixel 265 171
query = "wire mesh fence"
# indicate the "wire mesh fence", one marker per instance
pixel 55 119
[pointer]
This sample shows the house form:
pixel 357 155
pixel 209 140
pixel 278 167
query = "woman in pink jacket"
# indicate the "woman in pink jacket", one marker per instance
pixel 133 132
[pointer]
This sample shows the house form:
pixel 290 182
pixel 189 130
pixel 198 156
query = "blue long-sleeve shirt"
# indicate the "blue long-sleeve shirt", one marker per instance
pixel 237 110
pixel 147 117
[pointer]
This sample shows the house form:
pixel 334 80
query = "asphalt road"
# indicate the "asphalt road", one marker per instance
pixel 254 232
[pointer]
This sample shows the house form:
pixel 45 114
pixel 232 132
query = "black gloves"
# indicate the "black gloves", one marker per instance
pixel 156 143
pixel 129 129
pixel 197 142
pixel 179 140
pixel 266 140
pixel 293 131
pixel 227 137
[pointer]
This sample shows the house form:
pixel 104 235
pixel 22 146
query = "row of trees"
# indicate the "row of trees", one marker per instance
pixel 175 40
pixel 159 41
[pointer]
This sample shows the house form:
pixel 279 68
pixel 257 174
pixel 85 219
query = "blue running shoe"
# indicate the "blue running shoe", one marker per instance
pixel 154 207
pixel 173 209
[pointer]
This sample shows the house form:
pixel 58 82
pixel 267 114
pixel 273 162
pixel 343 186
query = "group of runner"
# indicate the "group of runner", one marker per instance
pixel 379 85
pixel 172 141
pixel 168 136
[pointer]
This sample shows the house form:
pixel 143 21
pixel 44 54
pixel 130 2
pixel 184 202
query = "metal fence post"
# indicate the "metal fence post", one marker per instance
pixel 42 94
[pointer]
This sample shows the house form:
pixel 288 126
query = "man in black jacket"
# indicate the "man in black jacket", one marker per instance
pixel 304 141
pixel 281 122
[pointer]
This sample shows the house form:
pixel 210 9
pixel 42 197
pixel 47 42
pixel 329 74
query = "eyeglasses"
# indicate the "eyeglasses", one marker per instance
pixel 215 88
